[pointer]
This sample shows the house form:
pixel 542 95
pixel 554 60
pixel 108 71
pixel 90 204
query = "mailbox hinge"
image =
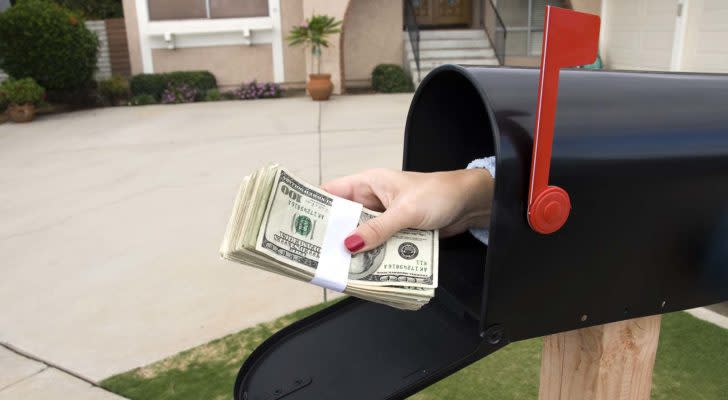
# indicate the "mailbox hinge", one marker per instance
pixel 283 391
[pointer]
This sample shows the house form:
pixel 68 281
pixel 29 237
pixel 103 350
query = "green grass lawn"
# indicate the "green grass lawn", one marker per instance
pixel 692 364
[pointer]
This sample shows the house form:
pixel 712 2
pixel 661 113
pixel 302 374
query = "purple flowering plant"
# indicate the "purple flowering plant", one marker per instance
pixel 179 93
pixel 255 90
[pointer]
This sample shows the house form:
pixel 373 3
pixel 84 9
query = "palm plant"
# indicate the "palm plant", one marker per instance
pixel 314 33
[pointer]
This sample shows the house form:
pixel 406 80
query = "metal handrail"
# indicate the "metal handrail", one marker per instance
pixel 413 29
pixel 494 28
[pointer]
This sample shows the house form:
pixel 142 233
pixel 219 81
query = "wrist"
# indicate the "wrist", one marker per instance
pixel 478 185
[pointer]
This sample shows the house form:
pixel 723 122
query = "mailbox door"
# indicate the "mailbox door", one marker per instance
pixel 360 350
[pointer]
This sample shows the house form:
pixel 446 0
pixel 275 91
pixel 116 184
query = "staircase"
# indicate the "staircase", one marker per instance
pixel 438 47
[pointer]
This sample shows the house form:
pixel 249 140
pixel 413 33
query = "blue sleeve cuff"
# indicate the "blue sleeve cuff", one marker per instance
pixel 487 163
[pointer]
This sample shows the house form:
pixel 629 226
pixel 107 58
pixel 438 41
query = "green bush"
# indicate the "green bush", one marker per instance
pixel 229 95
pixel 213 95
pixel 3 102
pixel 79 98
pixel 201 81
pixel 94 9
pixel 142 100
pixel 391 78
pixel 41 40
pixel 22 91
pixel 156 84
pixel 114 90
pixel 149 84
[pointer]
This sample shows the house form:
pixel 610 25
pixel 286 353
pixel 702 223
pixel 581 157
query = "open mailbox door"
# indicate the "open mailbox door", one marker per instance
pixel 644 158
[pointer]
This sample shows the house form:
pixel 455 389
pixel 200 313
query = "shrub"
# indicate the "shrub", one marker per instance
pixel 142 100
pixel 149 84
pixel 94 9
pixel 114 90
pixel 391 78
pixel 156 84
pixel 213 95
pixel 44 41
pixel 179 93
pixel 79 98
pixel 202 81
pixel 255 90
pixel 229 95
pixel 22 91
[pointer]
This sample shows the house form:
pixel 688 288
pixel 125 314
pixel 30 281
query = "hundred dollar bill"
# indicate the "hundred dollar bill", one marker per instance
pixel 278 224
pixel 293 228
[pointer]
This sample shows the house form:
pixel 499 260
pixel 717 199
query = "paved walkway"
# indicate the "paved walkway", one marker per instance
pixel 111 221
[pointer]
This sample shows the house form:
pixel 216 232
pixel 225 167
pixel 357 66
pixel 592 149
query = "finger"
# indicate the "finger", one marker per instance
pixel 377 230
pixel 355 188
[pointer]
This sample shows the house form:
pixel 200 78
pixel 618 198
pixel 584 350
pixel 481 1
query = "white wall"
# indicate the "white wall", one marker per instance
pixel 706 40
pixel 639 34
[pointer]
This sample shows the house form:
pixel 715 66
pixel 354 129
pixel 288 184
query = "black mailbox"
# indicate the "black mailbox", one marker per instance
pixel 644 157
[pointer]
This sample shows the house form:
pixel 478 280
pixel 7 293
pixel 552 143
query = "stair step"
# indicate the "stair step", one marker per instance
pixel 451 34
pixel 430 64
pixel 454 44
pixel 452 53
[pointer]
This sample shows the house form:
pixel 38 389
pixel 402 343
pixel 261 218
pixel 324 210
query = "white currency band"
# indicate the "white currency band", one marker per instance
pixel 332 271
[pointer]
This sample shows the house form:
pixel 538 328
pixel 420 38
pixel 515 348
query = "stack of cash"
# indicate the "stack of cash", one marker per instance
pixel 278 224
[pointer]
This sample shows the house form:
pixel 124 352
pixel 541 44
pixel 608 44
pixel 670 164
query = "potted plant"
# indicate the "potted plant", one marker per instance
pixel 22 95
pixel 314 34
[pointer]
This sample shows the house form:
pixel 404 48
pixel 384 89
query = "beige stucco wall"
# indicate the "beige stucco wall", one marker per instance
pixel 231 65
pixel 132 36
pixel 587 6
pixel 294 58
pixel 372 35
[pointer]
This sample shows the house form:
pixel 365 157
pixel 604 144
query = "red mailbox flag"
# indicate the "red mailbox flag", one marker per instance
pixel 570 39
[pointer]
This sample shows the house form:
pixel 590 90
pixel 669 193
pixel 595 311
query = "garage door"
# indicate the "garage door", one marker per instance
pixel 705 48
pixel 639 34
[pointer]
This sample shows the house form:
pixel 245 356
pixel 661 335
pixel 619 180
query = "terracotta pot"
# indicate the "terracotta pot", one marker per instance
pixel 21 113
pixel 319 86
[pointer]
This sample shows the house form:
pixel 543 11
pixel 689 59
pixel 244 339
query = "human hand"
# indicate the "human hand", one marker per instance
pixel 452 201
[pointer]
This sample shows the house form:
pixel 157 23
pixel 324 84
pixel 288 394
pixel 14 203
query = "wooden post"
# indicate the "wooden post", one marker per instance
pixel 604 362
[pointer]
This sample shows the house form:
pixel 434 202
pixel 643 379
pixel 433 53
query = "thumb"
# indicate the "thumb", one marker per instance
pixel 376 231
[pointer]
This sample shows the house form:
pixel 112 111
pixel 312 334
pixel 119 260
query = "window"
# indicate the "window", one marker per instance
pixel 196 9
pixel 524 22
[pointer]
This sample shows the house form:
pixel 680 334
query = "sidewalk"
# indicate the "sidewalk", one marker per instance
pixel 23 378
pixel 112 219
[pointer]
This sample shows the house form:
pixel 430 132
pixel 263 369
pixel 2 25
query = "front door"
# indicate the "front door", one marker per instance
pixel 443 12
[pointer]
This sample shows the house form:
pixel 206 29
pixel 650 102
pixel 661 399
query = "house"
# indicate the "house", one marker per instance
pixel 244 40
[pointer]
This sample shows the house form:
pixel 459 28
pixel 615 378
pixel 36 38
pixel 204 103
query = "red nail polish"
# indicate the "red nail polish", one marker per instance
pixel 354 243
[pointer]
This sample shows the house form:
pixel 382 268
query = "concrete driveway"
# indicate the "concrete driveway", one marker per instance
pixel 111 220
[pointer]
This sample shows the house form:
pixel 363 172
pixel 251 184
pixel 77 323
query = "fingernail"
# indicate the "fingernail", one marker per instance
pixel 354 243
